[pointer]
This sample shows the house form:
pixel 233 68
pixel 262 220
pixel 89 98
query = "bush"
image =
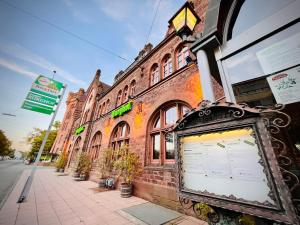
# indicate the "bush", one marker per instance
pixel 127 164
pixel 61 162
pixel 105 162
pixel 84 164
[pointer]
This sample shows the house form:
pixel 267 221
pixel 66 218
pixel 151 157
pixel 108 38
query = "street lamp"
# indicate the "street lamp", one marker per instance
pixel 185 20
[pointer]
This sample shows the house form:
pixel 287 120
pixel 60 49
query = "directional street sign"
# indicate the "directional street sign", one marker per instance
pixel 41 99
pixel 43 95
pixel 37 107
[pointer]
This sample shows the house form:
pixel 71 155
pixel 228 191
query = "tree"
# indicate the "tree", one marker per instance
pixel 5 145
pixel 36 137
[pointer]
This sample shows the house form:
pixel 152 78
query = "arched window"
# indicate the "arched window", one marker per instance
pixel 76 148
pixel 154 73
pixel 120 136
pixel 182 53
pixel 107 106
pixel 249 13
pixel 119 98
pixel 167 66
pixel 162 142
pixel 85 117
pixel 95 146
pixel 132 88
pixel 125 94
pixel 103 109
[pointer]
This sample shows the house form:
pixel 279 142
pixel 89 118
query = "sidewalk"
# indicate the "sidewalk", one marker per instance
pixel 58 200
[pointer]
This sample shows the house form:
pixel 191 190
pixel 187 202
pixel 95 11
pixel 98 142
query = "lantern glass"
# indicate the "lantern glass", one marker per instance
pixel 179 20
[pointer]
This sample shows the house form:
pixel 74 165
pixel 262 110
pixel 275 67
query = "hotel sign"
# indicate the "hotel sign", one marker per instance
pixel 79 130
pixel 122 110
pixel 43 95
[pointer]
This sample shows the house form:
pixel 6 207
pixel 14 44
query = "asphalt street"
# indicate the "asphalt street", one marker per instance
pixel 10 171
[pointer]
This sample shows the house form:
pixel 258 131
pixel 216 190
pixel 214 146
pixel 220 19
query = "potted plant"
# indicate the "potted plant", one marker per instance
pixel 105 166
pixel 61 162
pixel 83 166
pixel 128 166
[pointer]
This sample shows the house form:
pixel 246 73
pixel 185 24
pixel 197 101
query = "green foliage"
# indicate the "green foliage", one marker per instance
pixel 105 162
pixel 83 164
pixel 36 138
pixel 5 146
pixel 61 162
pixel 128 164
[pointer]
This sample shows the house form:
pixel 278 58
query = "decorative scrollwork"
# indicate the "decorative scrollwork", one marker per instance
pixel 290 179
pixel 185 203
pixel 204 112
pixel 237 113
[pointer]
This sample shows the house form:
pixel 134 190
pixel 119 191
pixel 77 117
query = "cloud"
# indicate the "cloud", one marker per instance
pixel 116 9
pixel 19 52
pixel 17 68
pixel 77 11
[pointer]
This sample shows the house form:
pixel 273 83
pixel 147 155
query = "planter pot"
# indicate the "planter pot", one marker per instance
pixel 61 170
pixel 102 183
pixel 126 190
pixel 76 175
pixel 83 177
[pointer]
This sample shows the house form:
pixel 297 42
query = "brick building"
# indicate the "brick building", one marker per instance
pixel 162 87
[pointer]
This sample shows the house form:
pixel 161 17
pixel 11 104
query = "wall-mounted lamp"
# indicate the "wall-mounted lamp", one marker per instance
pixel 185 20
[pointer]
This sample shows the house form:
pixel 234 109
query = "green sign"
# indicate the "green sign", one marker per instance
pixel 43 95
pixel 79 130
pixel 37 107
pixel 41 99
pixel 46 86
pixel 123 109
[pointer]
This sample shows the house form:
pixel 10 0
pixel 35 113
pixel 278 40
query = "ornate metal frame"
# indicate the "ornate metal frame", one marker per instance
pixel 267 123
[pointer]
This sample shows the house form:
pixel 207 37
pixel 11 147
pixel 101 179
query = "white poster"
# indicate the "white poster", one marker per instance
pixel 286 86
pixel 225 163
pixel 281 55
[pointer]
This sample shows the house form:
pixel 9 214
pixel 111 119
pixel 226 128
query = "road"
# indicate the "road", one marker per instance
pixel 10 171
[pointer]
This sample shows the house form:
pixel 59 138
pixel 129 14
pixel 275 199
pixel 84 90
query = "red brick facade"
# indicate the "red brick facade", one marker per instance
pixel 180 88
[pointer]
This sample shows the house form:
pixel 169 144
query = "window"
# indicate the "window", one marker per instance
pixel 85 117
pixel 125 94
pixel 254 11
pixel 98 114
pixel 132 88
pixel 161 142
pixel 182 54
pixel 76 149
pixel 119 98
pixel 120 136
pixel 95 146
pixel 103 108
pixel 91 98
pixel 154 74
pixel 107 106
pixel 167 66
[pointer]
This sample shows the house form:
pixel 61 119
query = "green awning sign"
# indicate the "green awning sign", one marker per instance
pixel 37 107
pixel 43 95
pixel 41 99
pixel 79 130
pixel 46 86
pixel 123 109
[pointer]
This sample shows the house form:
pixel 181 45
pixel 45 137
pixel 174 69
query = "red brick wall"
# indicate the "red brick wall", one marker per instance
pixel 157 183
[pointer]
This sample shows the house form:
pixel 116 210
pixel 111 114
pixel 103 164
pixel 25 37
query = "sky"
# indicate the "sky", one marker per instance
pixel 39 36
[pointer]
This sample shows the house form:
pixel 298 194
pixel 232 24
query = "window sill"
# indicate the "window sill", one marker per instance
pixel 167 167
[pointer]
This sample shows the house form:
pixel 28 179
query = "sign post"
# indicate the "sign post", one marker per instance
pixel 42 98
